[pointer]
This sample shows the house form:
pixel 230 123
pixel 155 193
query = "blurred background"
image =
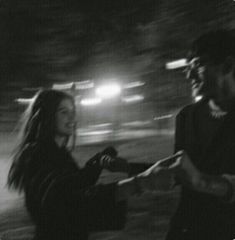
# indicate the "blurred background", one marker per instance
pixel 125 43
pixel 123 61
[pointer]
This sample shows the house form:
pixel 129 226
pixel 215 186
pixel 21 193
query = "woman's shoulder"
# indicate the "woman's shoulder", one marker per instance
pixel 32 150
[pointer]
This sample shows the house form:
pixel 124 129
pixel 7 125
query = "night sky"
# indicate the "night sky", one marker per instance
pixel 45 41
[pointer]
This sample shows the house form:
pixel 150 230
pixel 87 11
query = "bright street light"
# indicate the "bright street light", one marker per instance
pixel 24 100
pixel 90 101
pixel 108 91
pixel 198 98
pixel 177 64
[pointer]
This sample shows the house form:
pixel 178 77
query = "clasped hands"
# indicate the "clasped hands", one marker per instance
pixel 161 175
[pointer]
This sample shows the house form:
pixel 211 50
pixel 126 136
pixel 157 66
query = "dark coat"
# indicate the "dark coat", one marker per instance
pixel 199 215
pixel 64 201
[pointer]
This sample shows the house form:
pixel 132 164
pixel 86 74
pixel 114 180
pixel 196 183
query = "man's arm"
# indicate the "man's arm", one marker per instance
pixel 220 186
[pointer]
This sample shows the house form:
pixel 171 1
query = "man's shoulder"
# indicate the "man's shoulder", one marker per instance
pixel 185 110
pixel 190 108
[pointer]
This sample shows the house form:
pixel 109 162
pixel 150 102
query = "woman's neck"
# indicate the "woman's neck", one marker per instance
pixel 60 141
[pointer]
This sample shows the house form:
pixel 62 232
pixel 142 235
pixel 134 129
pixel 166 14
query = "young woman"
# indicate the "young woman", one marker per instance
pixel 63 200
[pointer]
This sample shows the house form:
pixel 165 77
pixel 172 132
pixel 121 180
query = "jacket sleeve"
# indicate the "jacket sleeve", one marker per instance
pixel 179 131
pixel 92 169
pixel 135 168
pixel 104 212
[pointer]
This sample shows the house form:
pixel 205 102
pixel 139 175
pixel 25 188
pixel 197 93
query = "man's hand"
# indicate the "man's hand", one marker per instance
pixel 187 172
pixel 160 176
pixel 190 176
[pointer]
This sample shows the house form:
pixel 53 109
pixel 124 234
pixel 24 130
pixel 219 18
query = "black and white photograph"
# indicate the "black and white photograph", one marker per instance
pixel 117 119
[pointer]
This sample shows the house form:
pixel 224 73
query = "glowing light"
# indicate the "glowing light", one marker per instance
pixel 136 123
pixel 198 98
pixel 108 91
pixel 90 101
pixel 177 64
pixel 132 99
pixel 78 85
pixel 63 86
pixel 134 84
pixel 101 125
pixel 92 133
pixel 163 117
pixel 24 100
pixel 84 84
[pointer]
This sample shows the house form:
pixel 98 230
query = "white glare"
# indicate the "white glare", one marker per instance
pixel 24 100
pixel 90 101
pixel 132 99
pixel 84 84
pixel 62 86
pixel 177 64
pixel 92 133
pixel 163 117
pixel 198 98
pixel 134 84
pixel 108 91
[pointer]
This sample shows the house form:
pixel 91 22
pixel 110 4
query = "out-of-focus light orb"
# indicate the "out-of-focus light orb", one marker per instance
pixel 198 98
pixel 133 99
pixel 90 101
pixel 108 91
pixel 177 64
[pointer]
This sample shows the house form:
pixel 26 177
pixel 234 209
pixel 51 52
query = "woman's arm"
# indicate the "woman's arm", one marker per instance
pixel 70 199
pixel 157 177
pixel 132 186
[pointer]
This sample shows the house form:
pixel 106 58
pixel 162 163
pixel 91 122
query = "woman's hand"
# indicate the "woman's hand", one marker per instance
pixel 114 164
pixel 109 160
pixel 160 176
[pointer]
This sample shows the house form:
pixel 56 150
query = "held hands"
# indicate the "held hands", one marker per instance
pixel 160 176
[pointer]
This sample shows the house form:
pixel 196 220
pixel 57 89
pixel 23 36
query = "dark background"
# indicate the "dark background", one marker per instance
pixel 60 41
pixel 48 41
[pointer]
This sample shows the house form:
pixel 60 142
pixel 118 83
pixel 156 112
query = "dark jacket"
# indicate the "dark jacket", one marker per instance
pixel 200 215
pixel 63 200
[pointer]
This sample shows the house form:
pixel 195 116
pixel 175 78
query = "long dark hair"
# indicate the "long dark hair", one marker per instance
pixel 39 128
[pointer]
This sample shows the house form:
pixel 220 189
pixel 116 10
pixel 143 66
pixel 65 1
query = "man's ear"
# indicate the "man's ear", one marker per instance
pixel 228 65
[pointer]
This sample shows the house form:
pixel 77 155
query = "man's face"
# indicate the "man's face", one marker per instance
pixel 195 73
pixel 209 79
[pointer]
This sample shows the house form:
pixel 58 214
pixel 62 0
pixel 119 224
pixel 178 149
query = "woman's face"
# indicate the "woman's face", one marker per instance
pixel 65 118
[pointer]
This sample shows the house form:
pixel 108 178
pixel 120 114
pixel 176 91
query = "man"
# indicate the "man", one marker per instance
pixel 205 131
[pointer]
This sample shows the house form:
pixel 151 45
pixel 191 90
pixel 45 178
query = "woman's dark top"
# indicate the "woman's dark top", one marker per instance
pixel 63 200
